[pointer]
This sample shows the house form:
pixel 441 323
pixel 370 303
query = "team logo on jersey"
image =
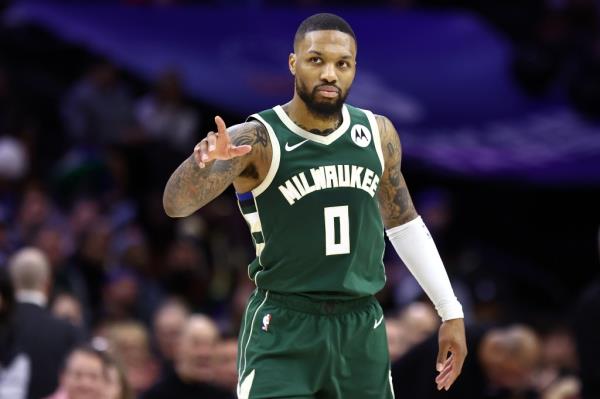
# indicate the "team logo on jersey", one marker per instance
pixel 266 322
pixel 360 135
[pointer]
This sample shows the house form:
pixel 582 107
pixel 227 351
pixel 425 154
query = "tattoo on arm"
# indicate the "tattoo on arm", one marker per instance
pixel 394 199
pixel 190 187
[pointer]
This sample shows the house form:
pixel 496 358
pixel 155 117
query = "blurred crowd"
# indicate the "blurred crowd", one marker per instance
pixel 103 296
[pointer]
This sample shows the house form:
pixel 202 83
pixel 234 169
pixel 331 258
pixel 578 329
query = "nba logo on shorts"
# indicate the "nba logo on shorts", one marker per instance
pixel 266 322
pixel 360 135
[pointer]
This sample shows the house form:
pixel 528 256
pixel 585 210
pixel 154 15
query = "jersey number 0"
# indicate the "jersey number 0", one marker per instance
pixel 337 230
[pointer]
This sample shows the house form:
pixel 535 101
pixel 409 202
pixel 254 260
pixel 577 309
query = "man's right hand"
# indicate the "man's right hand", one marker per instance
pixel 218 146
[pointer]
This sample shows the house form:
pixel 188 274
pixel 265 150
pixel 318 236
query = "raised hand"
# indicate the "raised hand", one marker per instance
pixel 451 340
pixel 218 146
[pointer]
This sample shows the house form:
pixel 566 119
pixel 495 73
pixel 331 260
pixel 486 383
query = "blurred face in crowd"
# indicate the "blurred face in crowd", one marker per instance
pixel 225 364
pixel 66 307
pixel 52 242
pixel 396 338
pixel 84 376
pixel 84 216
pixel 510 358
pixel 35 208
pixel 113 388
pixel 120 296
pixel 130 341
pixel 559 351
pixel 96 243
pixel 168 326
pixel 324 65
pixel 419 321
pixel 195 352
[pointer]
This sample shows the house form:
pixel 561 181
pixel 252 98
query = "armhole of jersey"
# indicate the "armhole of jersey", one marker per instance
pixel 276 155
pixel 376 138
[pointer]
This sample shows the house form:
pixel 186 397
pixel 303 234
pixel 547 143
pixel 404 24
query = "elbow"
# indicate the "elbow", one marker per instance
pixel 172 210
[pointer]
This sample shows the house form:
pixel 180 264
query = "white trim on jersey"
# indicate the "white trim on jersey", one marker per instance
pixel 244 388
pixel 276 149
pixel 239 366
pixel 262 246
pixel 241 375
pixel 376 137
pixel 330 138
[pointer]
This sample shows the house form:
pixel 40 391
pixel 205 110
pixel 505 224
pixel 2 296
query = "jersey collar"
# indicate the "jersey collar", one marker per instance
pixel 330 138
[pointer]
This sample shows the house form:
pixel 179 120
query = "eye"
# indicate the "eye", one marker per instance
pixel 314 60
pixel 343 64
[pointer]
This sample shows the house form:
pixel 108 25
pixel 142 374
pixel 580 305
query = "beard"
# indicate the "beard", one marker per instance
pixel 322 109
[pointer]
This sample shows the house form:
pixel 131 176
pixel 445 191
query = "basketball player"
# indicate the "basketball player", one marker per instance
pixel 317 180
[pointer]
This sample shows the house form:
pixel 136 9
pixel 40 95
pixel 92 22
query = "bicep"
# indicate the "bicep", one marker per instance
pixel 395 203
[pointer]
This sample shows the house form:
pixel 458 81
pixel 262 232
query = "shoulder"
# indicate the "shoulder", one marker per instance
pixel 390 139
pixel 384 124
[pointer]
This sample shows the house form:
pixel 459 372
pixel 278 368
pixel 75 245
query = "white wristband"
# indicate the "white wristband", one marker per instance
pixel 416 248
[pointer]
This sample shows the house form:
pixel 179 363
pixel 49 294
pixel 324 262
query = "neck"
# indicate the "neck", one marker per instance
pixel 303 117
pixel 32 296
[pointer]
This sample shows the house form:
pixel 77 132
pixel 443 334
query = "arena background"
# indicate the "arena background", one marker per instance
pixel 496 104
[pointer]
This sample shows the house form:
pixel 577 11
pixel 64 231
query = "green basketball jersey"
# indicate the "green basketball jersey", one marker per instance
pixel 315 218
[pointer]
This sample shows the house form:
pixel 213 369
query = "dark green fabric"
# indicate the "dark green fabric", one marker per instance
pixel 297 347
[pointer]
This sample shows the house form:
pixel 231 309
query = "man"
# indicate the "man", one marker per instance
pixel 317 180
pixel 84 375
pixel 193 373
pixel 503 364
pixel 168 323
pixel 45 339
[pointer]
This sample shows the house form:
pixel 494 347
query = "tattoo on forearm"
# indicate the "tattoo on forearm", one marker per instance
pixel 394 199
pixel 191 187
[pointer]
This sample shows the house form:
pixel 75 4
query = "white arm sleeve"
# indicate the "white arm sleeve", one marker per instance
pixel 417 250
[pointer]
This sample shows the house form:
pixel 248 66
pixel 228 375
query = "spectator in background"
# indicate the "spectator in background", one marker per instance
pixel 15 366
pixel 54 239
pixel 36 209
pixel 84 375
pixel 164 116
pixel 44 338
pixel 117 386
pixel 225 365
pixel 559 356
pixel 501 364
pixel 129 343
pixel 193 376
pixel 92 257
pixel 66 307
pixel 120 295
pixel 419 321
pixel 169 321
pixel 187 274
pixel 98 109
pixel 412 326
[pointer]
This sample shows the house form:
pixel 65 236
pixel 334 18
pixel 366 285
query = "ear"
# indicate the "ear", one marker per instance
pixel 292 63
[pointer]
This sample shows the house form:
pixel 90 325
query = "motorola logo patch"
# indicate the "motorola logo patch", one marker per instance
pixel 360 135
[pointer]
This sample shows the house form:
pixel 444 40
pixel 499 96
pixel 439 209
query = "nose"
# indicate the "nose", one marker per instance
pixel 328 73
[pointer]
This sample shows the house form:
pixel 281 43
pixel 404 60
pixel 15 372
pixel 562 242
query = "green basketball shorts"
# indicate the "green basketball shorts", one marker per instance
pixel 295 347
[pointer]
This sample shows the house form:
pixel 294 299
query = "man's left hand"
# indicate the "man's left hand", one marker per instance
pixel 452 354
